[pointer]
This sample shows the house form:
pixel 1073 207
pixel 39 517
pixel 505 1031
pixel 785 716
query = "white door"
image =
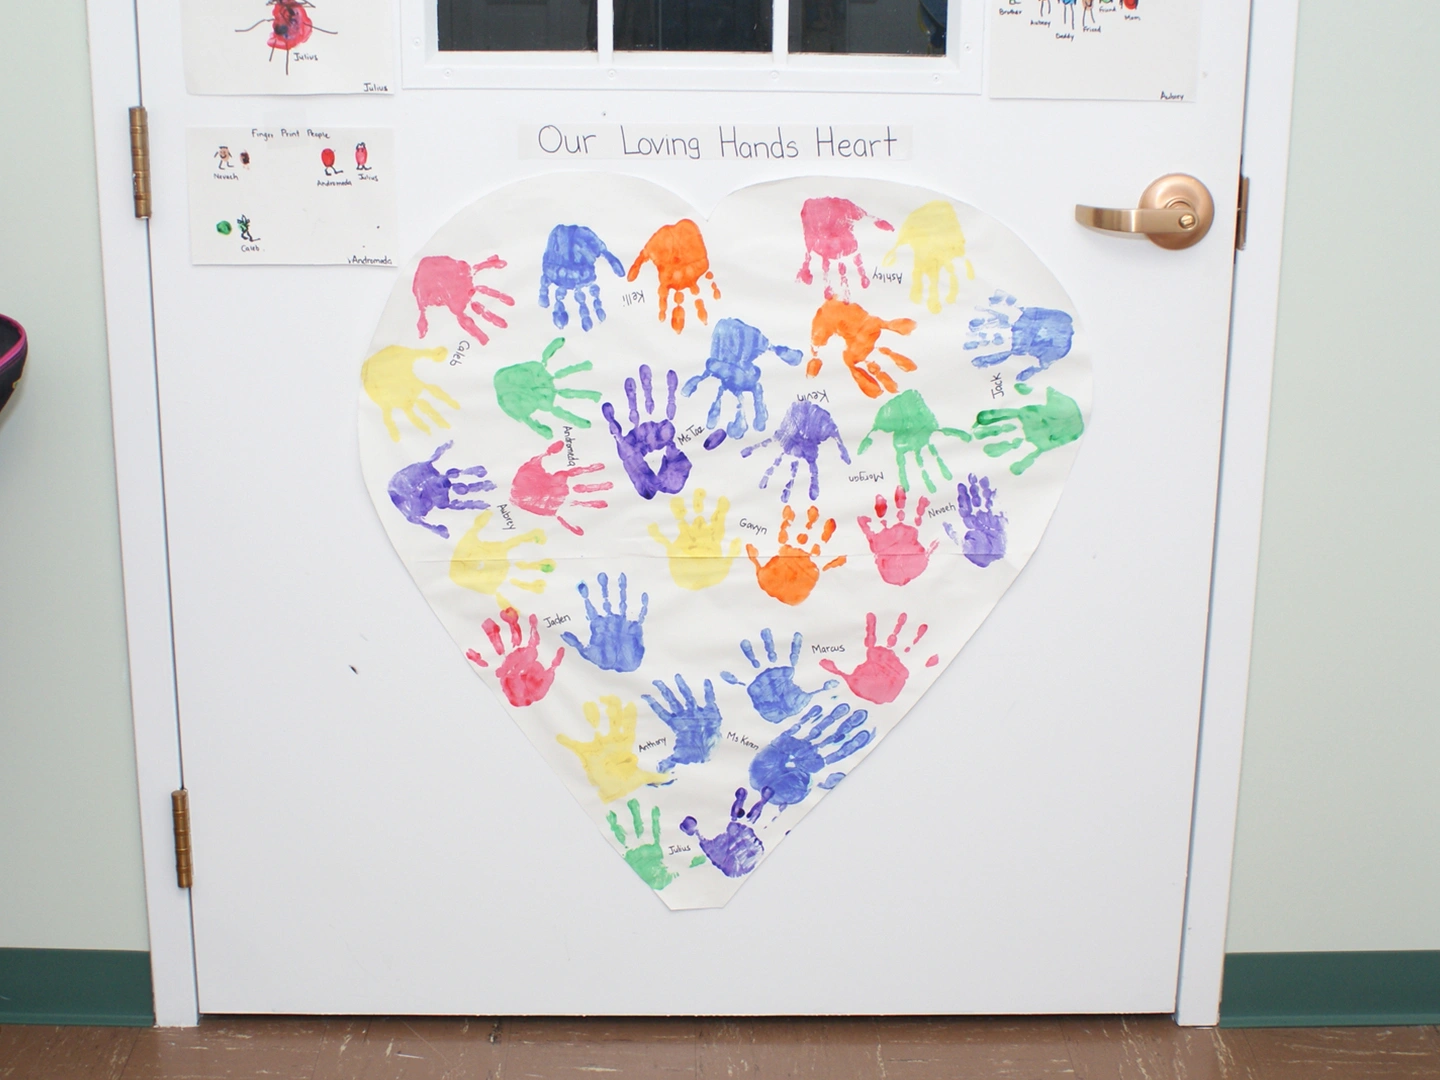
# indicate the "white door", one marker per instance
pixel 373 834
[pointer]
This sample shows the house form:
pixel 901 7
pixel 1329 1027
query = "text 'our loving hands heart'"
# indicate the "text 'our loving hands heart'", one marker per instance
pixel 711 502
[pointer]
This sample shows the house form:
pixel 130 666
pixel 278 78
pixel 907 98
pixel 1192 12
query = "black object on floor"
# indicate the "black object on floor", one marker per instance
pixel 13 346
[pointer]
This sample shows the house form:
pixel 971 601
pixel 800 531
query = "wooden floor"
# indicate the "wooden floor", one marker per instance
pixel 1125 1048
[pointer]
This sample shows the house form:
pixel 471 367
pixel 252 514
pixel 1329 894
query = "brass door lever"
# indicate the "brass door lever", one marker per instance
pixel 1175 212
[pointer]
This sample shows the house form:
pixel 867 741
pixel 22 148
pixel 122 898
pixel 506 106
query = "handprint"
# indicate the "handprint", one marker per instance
pixel 617 643
pixel 860 331
pixel 881 675
pixel 804 430
pixel 696 726
pixel 1044 427
pixel 933 233
pixel 791 574
pixel 543 493
pixel 912 427
pixel 786 766
pixel 1043 334
pixel 609 758
pixel 984 539
pixel 569 265
pixel 390 381
pixel 734 348
pixel 697 557
pixel 829 226
pixel 737 850
pixel 678 252
pixel 650 437
pixel 524 678
pixel 773 692
pixel 647 860
pixel 522 390
pixel 484 565
pixel 441 281
pixel 420 488
pixel 899 555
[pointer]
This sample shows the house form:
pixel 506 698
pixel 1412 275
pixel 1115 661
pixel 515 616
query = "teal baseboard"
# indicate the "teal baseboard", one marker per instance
pixel 76 986
pixel 1330 989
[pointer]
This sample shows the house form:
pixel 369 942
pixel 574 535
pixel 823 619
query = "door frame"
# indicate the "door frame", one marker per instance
pixel 139 473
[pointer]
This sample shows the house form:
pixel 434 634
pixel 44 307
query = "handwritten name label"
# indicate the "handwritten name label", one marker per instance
pixel 557 620
pixel 716 142
pixel 867 478
pixel 743 740
pixel 506 517
pixel 827 648
pixel 676 849
pixel 370 260
pixel 814 395
pixel 892 277
pixel 569 436
pixel 651 744
pixel 376 88
pixel 689 433
pixel 997 385
pixel 758 530
pixel 939 511
pixel 1171 97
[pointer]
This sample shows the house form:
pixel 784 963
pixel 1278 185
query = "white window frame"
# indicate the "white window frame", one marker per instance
pixel 424 66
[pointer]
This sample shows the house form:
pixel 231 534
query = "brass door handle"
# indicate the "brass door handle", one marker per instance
pixel 1175 212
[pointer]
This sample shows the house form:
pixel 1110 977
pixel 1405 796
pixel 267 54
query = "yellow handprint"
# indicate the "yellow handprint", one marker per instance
pixel 933 231
pixel 609 759
pixel 696 558
pixel 391 382
pixel 484 565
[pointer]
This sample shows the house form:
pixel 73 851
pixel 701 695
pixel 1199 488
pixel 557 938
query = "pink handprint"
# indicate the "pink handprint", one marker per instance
pixel 899 555
pixel 829 226
pixel 541 492
pixel 441 281
pixel 523 678
pixel 882 675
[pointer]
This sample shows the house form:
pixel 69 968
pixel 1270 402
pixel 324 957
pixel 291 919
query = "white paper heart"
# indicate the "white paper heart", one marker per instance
pixel 708 612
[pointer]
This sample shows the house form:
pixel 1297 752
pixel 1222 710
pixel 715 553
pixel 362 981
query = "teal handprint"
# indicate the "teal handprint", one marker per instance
pixel 912 427
pixel 522 390
pixel 647 860
pixel 1044 427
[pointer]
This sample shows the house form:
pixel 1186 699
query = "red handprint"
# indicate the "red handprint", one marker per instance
pixel 523 678
pixel 860 331
pixel 882 675
pixel 441 281
pixel 678 252
pixel 899 555
pixel 541 492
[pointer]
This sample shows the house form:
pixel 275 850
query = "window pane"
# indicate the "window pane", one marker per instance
pixel 516 25
pixel 693 25
pixel 893 27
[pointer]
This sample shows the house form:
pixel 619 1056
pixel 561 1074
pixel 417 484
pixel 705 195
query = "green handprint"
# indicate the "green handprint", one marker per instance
pixel 647 860
pixel 523 390
pixel 1045 427
pixel 912 426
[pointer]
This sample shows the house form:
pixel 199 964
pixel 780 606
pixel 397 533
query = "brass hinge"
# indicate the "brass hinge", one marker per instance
pixel 180 810
pixel 1242 213
pixel 140 159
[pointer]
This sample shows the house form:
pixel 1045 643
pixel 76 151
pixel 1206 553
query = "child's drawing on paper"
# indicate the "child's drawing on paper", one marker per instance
pixel 681 563
pixel 290 27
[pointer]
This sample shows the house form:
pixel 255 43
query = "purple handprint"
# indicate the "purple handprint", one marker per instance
pixel 804 430
pixel 650 437
pixel 419 488
pixel 984 539
pixel 737 850
pixel 786 766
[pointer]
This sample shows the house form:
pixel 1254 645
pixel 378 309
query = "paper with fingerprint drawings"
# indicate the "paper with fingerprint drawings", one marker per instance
pixel 288 46
pixel 708 502
pixel 1106 50
pixel 305 194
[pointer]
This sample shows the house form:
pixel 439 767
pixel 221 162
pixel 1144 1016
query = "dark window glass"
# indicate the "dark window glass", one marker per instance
pixel 890 27
pixel 693 25
pixel 516 25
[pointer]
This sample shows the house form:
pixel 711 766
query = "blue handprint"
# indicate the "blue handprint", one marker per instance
pixel 417 489
pixel 734 348
pixel 804 430
pixel 1043 334
pixel 569 265
pixel 650 437
pixel 773 692
pixel 696 727
pixel 786 766
pixel 984 539
pixel 616 643
pixel 737 850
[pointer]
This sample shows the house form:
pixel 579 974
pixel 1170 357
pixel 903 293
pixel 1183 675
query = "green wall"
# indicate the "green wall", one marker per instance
pixel 1338 844
pixel 70 874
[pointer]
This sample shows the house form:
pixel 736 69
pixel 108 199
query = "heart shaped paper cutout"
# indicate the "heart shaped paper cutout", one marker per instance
pixel 713 510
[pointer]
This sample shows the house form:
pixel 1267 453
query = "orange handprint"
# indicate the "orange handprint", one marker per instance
pixel 678 252
pixel 859 330
pixel 791 574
